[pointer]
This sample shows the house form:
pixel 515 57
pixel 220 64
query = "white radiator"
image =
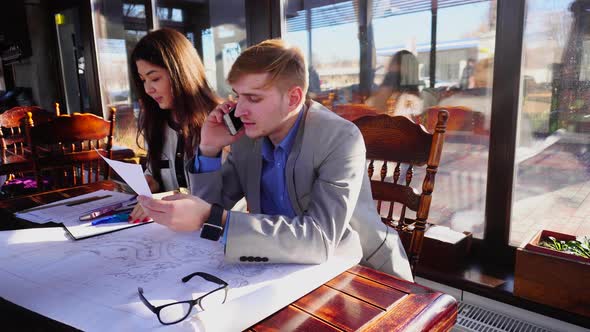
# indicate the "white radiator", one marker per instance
pixel 475 318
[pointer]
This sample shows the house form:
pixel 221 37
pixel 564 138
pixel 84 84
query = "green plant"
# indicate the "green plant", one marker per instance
pixel 580 248
pixel 576 247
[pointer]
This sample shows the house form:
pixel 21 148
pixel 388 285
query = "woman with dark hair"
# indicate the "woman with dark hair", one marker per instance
pixel 400 83
pixel 402 72
pixel 175 99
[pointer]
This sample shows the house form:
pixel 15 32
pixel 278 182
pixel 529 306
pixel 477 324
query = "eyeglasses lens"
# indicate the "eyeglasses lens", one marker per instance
pixel 174 312
pixel 212 300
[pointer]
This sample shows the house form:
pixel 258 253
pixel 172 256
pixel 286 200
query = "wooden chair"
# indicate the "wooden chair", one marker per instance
pixel 12 123
pixel 352 112
pixel 326 99
pixel 70 141
pixel 461 120
pixel 398 140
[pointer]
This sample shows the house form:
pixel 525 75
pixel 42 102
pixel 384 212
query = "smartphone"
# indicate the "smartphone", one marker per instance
pixel 232 122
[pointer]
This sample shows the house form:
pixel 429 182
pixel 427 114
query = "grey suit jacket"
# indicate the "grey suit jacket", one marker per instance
pixel 328 188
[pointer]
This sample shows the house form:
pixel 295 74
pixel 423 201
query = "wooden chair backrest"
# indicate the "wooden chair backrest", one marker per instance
pixel 352 112
pixel 68 143
pixel 398 141
pixel 12 126
pixel 461 119
pixel 326 99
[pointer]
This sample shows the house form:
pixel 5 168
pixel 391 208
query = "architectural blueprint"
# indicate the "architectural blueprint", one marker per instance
pixel 92 284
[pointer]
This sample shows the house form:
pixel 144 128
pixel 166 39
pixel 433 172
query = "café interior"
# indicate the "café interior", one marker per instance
pixel 501 86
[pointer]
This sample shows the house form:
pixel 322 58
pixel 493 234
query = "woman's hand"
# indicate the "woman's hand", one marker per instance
pixel 214 135
pixel 138 214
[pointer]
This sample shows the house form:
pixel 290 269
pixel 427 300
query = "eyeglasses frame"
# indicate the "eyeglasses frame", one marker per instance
pixel 197 301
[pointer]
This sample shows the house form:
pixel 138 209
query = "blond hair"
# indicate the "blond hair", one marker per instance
pixel 284 63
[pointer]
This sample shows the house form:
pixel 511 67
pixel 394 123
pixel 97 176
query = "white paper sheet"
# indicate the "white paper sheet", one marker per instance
pixel 92 284
pixel 85 230
pixel 132 174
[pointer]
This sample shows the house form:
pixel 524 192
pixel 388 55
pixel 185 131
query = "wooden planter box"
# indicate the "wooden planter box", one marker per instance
pixel 551 277
pixel 440 255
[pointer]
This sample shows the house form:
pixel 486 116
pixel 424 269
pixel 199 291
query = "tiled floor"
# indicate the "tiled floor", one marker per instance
pixel 552 192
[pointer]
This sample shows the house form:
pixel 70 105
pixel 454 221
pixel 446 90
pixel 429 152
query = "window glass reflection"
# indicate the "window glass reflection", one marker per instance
pixel 134 10
pixel 177 15
pixel 463 78
pixel 216 29
pixel 163 13
pixel 552 157
pixel 170 14
pixel 117 28
pixel 377 60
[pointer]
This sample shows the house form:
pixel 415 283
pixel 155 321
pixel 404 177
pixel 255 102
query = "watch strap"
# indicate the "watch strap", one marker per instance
pixel 212 228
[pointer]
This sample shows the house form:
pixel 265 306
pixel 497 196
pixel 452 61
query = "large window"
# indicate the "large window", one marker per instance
pixel 118 26
pixel 552 181
pixel 326 34
pixel 381 57
pixel 216 29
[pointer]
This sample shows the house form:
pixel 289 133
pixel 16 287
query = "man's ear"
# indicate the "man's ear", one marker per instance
pixel 296 97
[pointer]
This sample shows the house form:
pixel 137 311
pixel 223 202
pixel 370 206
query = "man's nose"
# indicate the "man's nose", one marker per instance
pixel 240 110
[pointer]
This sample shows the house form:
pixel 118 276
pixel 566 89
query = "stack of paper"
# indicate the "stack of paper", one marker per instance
pixel 69 214
pixel 69 211
pixel 61 212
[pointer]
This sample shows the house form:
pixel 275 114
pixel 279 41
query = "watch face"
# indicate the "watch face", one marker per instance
pixel 212 228
pixel 211 232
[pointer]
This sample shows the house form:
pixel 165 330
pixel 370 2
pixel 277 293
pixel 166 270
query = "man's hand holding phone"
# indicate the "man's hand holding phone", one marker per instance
pixel 232 122
pixel 215 134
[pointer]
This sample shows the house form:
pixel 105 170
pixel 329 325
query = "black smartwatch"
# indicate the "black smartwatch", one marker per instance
pixel 212 228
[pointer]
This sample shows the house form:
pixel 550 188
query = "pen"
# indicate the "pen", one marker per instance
pixel 117 207
pixel 101 211
pixel 120 217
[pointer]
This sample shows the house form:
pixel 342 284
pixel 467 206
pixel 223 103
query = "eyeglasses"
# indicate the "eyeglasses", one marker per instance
pixel 173 313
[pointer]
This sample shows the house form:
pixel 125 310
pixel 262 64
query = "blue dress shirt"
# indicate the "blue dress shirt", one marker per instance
pixel 274 198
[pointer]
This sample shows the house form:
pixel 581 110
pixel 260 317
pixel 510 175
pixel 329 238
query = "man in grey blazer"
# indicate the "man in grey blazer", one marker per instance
pixel 301 168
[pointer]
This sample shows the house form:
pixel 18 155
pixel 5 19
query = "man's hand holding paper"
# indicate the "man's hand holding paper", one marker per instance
pixel 179 212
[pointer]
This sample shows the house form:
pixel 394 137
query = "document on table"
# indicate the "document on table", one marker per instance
pixel 69 215
pixel 132 174
pixel 92 284
pixel 60 212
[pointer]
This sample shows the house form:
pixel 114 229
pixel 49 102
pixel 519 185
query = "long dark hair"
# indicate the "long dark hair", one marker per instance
pixel 193 97
pixel 404 78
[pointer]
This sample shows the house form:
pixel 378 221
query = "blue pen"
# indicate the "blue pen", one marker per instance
pixel 120 217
